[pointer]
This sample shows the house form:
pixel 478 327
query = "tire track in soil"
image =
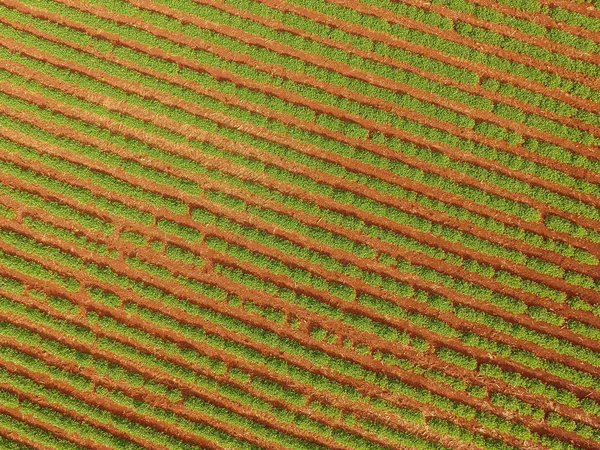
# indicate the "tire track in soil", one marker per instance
pixel 368 337
pixel 70 436
pixel 182 340
pixel 279 332
pixel 36 398
pixel 547 279
pixel 359 30
pixel 453 36
pixel 296 261
pixel 302 78
pixel 575 244
pixel 192 223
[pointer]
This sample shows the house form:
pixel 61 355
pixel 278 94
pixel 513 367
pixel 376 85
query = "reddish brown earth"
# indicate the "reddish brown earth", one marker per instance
pixel 303 337
pixel 279 332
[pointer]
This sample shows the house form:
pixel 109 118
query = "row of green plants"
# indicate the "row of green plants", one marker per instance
pixel 544 172
pixel 62 163
pixel 534 118
pixel 178 211
pixel 434 41
pixel 273 336
pixel 116 372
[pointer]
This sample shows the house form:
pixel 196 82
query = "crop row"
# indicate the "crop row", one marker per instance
pixel 304 91
pixel 396 25
pixel 179 372
pixel 549 125
pixel 113 280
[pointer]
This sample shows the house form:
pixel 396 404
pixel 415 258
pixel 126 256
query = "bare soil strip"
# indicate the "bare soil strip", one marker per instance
pixel 524 224
pixel 279 332
pixel 453 36
pixel 304 78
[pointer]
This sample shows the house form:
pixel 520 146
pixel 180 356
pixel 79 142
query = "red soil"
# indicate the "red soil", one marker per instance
pixel 279 331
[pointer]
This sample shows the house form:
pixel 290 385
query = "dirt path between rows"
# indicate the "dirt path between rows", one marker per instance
pixel 297 261
pixel 182 341
pixel 524 226
pixel 187 295
pixel 301 78
pixel 62 433
pixel 367 337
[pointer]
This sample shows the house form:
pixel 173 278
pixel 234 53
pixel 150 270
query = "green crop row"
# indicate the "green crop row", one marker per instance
pixel 452 48
pixel 473 193
pixel 543 173
pixel 462 210
pixel 538 119
pixel 36 434
pixel 117 373
pixel 580 252
pixel 304 277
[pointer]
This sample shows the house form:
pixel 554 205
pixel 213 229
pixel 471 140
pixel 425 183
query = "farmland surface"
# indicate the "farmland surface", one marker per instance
pixel 299 224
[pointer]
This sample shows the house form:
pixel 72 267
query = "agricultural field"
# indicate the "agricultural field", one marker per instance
pixel 299 224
